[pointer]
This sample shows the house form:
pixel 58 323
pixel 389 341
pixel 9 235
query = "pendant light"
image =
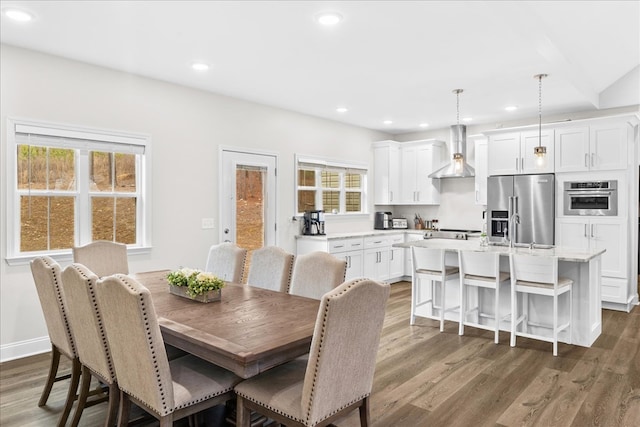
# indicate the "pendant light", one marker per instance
pixel 540 151
pixel 459 133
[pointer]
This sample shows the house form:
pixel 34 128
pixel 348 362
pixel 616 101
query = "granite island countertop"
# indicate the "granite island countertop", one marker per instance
pixel 563 254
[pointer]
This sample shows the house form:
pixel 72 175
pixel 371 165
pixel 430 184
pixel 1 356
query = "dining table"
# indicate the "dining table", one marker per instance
pixel 249 331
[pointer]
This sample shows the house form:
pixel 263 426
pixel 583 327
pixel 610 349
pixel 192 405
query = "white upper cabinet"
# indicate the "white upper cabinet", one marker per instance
pixel 598 147
pixel 417 162
pixel 481 167
pixel 512 153
pixel 401 175
pixel 386 178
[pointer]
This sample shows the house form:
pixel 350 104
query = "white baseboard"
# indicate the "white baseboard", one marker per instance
pixel 20 349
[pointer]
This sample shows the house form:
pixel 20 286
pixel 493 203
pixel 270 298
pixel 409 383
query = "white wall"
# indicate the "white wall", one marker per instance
pixel 187 126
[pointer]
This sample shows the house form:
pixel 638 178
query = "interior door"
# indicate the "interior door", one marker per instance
pixel 247 198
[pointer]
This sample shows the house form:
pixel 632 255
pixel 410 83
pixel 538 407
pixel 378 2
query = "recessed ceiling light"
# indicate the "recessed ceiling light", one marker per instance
pixel 342 109
pixel 18 15
pixel 424 125
pixel 199 66
pixel 467 119
pixel 329 18
pixel 511 108
pixel 388 122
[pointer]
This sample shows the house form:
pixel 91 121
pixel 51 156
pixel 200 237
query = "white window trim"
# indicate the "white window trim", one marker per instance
pixel 328 163
pixel 14 256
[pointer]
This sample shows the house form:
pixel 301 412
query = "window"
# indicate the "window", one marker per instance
pixel 332 186
pixel 70 186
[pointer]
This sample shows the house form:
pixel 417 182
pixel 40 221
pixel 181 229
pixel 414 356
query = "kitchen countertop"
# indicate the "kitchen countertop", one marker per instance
pixel 332 236
pixel 474 245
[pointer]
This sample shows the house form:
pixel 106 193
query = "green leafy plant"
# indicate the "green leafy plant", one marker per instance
pixel 197 282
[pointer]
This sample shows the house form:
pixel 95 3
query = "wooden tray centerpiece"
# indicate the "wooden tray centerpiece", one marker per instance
pixel 195 285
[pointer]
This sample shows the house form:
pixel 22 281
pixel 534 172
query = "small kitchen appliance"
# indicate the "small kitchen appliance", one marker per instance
pixel 399 223
pixel 382 221
pixel 313 223
pixel 591 198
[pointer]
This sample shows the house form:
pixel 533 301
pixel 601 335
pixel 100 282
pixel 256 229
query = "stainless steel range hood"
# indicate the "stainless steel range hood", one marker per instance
pixel 457 167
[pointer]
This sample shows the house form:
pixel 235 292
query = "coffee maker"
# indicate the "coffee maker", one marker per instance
pixel 382 220
pixel 313 223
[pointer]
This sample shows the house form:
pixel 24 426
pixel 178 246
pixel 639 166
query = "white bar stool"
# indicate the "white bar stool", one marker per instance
pixel 480 270
pixel 429 264
pixel 538 275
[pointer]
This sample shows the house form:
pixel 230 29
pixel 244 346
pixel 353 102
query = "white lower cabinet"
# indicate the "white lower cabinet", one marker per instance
pixel 607 233
pixel 349 249
pixel 372 256
pixel 396 257
pixel 376 263
pixel 381 260
pixel 354 261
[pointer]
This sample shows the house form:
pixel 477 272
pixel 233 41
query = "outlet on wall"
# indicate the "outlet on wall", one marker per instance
pixel 207 223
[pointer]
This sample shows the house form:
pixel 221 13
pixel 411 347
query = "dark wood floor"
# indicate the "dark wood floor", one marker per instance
pixel 427 378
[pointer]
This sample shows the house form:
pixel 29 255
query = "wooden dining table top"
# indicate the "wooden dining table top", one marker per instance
pixel 249 331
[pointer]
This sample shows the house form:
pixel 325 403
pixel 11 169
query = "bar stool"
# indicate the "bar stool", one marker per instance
pixel 429 264
pixel 480 270
pixel 538 275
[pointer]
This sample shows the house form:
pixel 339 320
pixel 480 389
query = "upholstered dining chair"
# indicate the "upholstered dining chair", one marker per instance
pixel 103 257
pixel 338 375
pixel 316 273
pixel 168 390
pixel 226 261
pixel 47 277
pixel 271 269
pixel 91 342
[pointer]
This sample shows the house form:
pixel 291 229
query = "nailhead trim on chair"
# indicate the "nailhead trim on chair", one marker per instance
pixel 61 303
pixel 307 421
pixel 165 410
pixel 202 399
pixel 103 335
pixel 292 260
pixel 244 263
pixel 293 263
pixel 321 340
pixel 271 408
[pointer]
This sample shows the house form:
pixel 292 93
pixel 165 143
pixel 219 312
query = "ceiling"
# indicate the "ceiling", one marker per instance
pixel 386 60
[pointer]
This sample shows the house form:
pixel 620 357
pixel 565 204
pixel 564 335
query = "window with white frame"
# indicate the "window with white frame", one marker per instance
pixel 331 186
pixel 69 186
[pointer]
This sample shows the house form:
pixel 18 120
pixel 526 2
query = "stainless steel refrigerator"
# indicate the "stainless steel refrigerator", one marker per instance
pixel 523 202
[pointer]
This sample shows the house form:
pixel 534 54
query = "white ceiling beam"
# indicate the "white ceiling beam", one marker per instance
pixel 535 32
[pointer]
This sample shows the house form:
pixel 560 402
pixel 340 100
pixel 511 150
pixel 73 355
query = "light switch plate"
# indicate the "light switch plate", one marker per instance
pixel 207 223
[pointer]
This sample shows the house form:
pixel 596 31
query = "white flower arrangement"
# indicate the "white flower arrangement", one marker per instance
pixel 197 282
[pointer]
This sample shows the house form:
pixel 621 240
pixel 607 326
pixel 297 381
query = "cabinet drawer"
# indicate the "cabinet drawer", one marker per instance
pixel 343 245
pixel 376 242
pixel 614 290
pixel 395 238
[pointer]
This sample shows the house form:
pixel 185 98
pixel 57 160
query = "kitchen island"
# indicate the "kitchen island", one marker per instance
pixel 584 268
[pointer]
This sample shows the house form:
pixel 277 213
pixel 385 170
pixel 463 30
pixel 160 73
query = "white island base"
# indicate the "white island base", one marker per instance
pixel 584 268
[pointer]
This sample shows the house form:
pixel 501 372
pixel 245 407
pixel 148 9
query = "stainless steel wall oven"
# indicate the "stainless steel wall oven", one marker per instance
pixel 591 198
